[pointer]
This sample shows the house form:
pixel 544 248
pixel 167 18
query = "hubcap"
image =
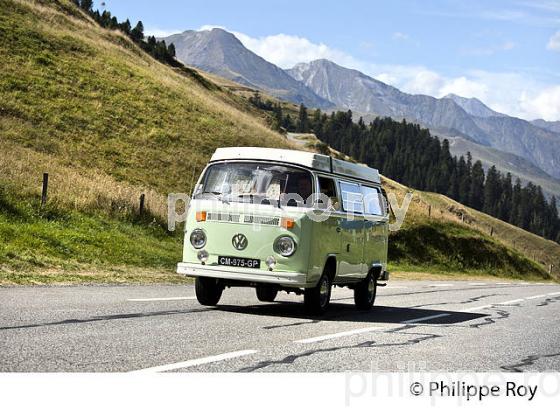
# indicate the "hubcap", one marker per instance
pixel 371 288
pixel 324 292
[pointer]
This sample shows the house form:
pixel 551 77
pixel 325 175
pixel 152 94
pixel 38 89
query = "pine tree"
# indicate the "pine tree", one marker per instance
pixel 137 33
pixel 86 5
pixel 303 122
pixel 491 192
pixel 171 50
pixel 476 192
pixel 125 26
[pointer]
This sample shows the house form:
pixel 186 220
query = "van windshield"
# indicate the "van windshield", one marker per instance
pixel 256 183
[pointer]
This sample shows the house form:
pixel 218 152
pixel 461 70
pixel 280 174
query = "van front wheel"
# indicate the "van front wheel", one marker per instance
pixel 266 293
pixel 208 291
pixel 365 292
pixel 316 300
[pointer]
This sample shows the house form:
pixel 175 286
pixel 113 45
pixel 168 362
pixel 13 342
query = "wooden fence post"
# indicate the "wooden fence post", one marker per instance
pixel 550 269
pixel 45 189
pixel 491 231
pixel 142 199
pixel 429 210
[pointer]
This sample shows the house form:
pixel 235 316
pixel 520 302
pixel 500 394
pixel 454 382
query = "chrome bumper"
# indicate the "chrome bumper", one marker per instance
pixel 289 279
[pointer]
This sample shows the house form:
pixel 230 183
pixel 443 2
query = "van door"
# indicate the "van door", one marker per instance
pixel 351 227
pixel 326 234
pixel 375 227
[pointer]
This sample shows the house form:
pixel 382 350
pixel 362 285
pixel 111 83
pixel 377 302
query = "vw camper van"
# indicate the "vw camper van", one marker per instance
pixel 286 220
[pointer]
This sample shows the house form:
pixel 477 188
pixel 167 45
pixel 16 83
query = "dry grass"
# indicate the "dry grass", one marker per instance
pixel 75 188
pixel 116 275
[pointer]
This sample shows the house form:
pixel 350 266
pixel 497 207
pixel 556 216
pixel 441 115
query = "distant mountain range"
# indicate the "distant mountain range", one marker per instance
pixel 512 144
pixel 354 90
pixel 220 52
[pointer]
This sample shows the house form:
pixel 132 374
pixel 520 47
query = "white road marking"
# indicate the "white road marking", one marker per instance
pixel 162 299
pixel 477 284
pixel 509 302
pixel 195 362
pixel 503 283
pixel 440 285
pixel 396 287
pixel 422 319
pixel 536 297
pixel 553 294
pixel 476 308
pixel 337 335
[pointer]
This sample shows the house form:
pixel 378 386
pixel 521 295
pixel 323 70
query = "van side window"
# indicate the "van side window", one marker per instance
pixel 327 187
pixel 352 200
pixel 372 201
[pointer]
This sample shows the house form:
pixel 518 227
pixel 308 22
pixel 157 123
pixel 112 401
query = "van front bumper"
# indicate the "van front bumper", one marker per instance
pixel 289 279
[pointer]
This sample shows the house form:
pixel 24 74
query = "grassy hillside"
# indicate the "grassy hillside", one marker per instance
pixel 90 97
pixel 107 122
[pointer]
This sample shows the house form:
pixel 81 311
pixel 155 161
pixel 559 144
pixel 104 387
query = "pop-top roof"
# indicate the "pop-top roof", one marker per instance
pixel 307 159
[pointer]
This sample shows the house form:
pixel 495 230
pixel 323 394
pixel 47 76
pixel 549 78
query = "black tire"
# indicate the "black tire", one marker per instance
pixel 316 300
pixel 208 291
pixel 365 292
pixel 266 293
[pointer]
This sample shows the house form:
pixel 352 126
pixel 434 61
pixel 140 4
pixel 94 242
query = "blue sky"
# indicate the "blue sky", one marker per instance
pixel 507 53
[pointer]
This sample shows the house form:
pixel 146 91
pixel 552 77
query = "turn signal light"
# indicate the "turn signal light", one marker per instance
pixel 201 216
pixel 288 223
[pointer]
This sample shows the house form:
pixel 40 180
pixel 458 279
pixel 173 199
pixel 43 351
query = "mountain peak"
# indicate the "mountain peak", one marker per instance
pixel 221 52
pixel 473 106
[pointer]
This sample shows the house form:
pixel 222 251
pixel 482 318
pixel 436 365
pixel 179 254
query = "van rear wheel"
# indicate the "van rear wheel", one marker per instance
pixel 208 291
pixel 316 300
pixel 266 293
pixel 365 292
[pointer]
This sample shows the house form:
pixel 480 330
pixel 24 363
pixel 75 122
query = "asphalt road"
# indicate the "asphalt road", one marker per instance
pixel 415 325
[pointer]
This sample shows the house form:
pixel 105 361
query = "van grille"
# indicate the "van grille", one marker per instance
pixel 248 219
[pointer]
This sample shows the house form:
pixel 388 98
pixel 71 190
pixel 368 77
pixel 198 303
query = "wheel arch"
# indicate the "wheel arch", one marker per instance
pixel 330 267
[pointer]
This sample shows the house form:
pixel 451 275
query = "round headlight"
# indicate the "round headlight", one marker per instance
pixel 285 246
pixel 198 238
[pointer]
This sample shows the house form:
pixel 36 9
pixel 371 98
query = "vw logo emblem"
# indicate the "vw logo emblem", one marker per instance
pixel 239 241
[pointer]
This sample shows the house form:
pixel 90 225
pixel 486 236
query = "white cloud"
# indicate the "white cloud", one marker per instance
pixel 157 32
pixel 544 104
pixel 465 87
pixel 400 36
pixel 286 50
pixel 208 27
pixel 554 42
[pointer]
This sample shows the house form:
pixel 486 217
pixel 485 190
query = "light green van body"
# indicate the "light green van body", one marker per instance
pixel 354 244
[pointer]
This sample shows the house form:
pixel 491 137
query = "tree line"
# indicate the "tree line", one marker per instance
pixel 157 49
pixel 409 154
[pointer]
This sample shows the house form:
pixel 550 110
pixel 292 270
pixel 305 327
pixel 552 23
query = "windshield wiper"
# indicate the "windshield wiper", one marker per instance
pixel 218 195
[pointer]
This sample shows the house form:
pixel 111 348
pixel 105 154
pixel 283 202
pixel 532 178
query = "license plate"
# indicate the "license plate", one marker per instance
pixel 239 262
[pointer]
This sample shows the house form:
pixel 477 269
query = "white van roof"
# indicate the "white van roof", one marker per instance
pixel 307 159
